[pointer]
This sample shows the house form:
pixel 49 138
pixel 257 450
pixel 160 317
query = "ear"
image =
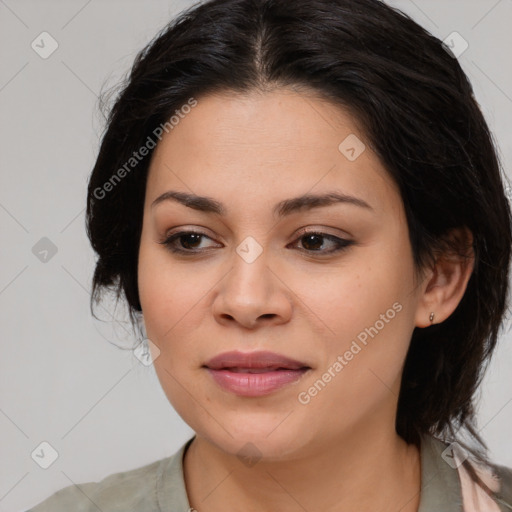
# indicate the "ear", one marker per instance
pixel 446 282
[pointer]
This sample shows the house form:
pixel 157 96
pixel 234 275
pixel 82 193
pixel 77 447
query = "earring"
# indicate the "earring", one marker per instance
pixel 431 317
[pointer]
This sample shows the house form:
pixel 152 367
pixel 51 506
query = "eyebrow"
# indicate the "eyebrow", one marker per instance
pixel 281 209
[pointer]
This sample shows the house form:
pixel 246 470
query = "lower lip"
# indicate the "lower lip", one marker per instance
pixel 255 384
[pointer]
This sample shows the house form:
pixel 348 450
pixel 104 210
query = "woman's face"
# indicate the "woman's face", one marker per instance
pixel 340 302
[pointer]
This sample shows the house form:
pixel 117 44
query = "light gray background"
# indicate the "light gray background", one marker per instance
pixel 61 381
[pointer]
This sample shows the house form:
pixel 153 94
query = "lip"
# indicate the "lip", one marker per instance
pixel 253 374
pixel 253 360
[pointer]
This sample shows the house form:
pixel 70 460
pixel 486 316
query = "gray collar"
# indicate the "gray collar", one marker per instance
pixel 171 491
pixel 440 484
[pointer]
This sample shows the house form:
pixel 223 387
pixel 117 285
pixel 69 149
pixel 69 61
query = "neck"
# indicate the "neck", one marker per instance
pixel 359 472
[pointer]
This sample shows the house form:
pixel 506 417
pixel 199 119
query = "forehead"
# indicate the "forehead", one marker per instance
pixel 277 144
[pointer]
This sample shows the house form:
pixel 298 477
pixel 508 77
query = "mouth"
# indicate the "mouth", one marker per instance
pixel 236 369
pixel 254 374
pixel 257 361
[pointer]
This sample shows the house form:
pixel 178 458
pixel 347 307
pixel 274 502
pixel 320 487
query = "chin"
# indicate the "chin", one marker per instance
pixel 250 440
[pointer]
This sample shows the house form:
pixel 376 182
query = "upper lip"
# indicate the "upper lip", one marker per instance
pixel 259 359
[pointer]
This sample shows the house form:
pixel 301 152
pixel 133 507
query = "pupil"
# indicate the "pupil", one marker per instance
pixel 313 237
pixel 184 242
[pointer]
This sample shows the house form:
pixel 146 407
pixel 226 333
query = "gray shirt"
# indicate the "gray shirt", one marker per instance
pixel 160 487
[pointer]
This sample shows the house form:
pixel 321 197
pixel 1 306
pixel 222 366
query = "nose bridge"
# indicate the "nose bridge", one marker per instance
pixel 249 250
pixel 250 273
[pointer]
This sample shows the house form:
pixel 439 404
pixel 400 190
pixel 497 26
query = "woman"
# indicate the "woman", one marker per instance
pixel 302 203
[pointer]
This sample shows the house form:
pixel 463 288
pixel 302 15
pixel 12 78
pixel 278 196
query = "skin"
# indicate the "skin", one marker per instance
pixel 340 451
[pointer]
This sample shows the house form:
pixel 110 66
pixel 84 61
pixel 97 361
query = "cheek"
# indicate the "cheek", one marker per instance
pixel 354 296
pixel 169 299
pixel 367 307
pixel 166 290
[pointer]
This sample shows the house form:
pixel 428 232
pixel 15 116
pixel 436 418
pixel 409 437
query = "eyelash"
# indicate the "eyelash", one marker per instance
pixel 343 244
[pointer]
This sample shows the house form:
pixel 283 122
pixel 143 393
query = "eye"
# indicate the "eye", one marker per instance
pixel 313 241
pixel 184 242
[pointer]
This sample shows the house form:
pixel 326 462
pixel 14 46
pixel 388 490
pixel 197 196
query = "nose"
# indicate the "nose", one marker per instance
pixel 251 294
